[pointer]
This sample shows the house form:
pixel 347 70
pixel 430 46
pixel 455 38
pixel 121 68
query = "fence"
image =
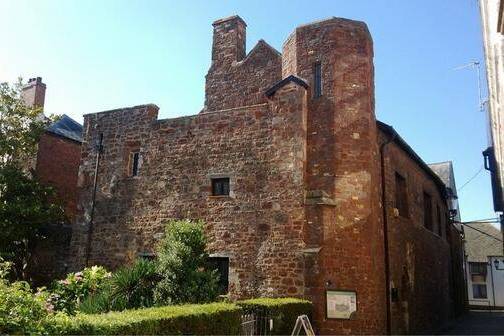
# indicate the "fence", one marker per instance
pixel 254 324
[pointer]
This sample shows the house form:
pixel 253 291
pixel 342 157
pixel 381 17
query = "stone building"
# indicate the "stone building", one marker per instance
pixel 56 165
pixel 289 168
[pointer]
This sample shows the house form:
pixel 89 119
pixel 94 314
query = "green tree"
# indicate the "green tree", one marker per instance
pixel 183 266
pixel 20 126
pixel 25 204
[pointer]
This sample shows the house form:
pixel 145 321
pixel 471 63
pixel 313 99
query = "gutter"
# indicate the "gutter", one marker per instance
pixel 385 232
pixel 395 137
pixel 99 149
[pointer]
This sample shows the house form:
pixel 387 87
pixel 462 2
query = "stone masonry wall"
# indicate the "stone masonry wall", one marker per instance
pixel 304 212
pixel 420 259
pixel 57 165
pixel 343 211
pixel 57 154
pixel 234 79
pixel 259 226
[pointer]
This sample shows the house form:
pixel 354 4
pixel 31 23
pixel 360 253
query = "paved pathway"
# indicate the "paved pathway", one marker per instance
pixel 477 323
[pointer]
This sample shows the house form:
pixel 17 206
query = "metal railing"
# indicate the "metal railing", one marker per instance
pixel 253 324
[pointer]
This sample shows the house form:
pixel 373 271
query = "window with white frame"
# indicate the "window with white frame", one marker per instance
pixel 478 273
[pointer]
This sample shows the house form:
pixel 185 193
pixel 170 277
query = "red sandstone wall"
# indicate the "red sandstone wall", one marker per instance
pixel 342 173
pixel 259 227
pixel 57 166
pixel 304 214
pixel 420 260
pixel 234 79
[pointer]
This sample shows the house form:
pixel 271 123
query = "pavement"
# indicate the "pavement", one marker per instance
pixel 477 323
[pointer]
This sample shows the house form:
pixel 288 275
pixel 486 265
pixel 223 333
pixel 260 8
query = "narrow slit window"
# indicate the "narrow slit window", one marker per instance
pixel 439 224
pixel 220 186
pixel 401 195
pixel 317 80
pixel 427 200
pixel 135 161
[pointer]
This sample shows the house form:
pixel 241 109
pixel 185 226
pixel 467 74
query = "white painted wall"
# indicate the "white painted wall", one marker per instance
pixel 494 283
pixel 494 58
pixel 498 280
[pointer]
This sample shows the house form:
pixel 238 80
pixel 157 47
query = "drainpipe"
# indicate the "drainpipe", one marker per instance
pixel 385 233
pixel 492 277
pixel 99 149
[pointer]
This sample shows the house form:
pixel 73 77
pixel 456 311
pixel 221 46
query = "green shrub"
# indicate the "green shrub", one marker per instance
pixel 207 319
pixel 129 287
pixel 283 311
pixel 183 266
pixel 67 294
pixel 21 311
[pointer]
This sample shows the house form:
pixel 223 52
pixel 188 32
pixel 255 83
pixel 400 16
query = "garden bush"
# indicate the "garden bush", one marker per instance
pixel 129 287
pixel 67 294
pixel 21 311
pixel 283 311
pixel 206 319
pixel 183 264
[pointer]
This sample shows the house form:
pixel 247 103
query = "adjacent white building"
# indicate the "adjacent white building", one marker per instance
pixel 492 19
pixel 484 266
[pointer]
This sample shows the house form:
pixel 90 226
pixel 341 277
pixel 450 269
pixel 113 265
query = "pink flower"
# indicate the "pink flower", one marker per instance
pixel 49 307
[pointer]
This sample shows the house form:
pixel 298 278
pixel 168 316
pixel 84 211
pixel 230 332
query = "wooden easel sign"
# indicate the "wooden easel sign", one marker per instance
pixel 304 322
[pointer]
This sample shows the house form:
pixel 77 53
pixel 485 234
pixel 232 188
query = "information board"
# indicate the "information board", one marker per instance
pixel 341 304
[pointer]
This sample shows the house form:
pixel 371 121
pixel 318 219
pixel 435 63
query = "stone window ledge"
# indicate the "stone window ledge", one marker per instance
pixel 220 197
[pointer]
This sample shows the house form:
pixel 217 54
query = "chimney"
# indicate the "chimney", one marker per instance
pixel 33 93
pixel 229 37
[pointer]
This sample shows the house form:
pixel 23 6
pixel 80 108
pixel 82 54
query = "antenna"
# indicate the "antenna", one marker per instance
pixel 476 65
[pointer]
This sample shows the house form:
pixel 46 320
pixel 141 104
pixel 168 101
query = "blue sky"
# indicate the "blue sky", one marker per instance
pixel 99 55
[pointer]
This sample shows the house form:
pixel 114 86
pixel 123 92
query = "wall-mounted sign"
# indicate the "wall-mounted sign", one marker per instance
pixel 341 304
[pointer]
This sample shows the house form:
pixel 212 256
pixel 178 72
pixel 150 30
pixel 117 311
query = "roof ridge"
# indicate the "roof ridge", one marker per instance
pixel 291 78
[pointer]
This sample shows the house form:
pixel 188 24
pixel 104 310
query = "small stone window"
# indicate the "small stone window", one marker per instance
pixel 220 186
pixel 221 265
pixel 439 223
pixel 427 202
pixel 401 195
pixel 317 80
pixel 135 163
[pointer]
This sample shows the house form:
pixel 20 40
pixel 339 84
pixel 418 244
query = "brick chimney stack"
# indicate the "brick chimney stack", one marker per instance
pixel 229 37
pixel 33 93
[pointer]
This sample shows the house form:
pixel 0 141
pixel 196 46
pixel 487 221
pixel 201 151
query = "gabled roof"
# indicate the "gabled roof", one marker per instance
pixel 66 127
pixel 479 245
pixel 263 44
pixel 294 79
pixel 445 172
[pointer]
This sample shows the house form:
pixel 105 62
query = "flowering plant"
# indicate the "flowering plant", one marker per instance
pixel 67 294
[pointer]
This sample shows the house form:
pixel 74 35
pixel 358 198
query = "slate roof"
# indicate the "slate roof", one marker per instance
pixel 479 246
pixel 445 172
pixel 294 79
pixel 66 127
pixel 391 132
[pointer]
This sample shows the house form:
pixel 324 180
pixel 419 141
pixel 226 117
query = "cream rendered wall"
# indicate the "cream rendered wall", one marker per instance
pixel 494 59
